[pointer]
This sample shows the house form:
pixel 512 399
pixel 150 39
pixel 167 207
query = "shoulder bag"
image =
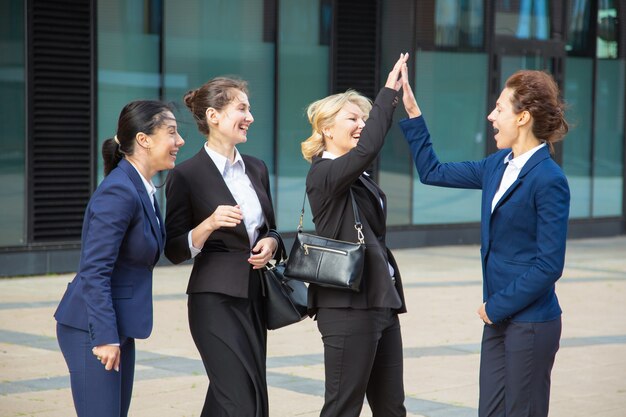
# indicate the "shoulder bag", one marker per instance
pixel 328 262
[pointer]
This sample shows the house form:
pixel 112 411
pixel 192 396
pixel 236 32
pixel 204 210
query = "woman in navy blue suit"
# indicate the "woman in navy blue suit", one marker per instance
pixel 109 302
pixel 525 207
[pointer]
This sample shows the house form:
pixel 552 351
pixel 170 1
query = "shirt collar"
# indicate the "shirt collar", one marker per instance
pixel 221 161
pixel 150 188
pixel 329 155
pixel 519 161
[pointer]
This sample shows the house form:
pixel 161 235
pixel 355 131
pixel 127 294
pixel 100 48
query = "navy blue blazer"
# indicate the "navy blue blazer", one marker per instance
pixel 111 295
pixel 523 240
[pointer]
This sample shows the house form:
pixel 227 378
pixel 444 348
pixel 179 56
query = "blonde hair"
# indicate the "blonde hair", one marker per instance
pixel 321 115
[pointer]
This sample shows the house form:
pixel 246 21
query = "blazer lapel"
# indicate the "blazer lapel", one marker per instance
pixel 218 187
pixel 151 213
pixel 377 192
pixel 537 157
pixel 256 180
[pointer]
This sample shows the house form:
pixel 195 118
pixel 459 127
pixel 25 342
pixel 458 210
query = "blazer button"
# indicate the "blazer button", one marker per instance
pixel 394 103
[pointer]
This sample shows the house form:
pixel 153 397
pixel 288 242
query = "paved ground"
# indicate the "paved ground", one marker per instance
pixel 441 342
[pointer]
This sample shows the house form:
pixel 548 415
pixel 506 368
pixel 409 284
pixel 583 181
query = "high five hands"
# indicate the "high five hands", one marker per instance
pixel 399 77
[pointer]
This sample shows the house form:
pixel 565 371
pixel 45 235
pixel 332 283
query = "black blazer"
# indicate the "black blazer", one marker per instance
pixel 327 185
pixel 194 189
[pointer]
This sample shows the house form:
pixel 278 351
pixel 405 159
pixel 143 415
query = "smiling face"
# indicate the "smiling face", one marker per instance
pixel 233 121
pixel 165 143
pixel 345 132
pixel 505 121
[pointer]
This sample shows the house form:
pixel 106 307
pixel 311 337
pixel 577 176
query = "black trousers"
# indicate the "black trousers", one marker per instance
pixel 362 356
pixel 231 336
pixel 515 364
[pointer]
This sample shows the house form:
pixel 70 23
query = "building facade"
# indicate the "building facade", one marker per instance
pixel 68 66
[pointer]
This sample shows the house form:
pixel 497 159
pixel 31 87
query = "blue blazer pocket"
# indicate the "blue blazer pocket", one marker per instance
pixel 122 291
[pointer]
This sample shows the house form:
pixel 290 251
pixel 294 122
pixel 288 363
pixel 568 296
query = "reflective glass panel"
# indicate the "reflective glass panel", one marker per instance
pixel 13 121
pixel 524 19
pixel 302 62
pixel 209 38
pixel 459 23
pixel 579 37
pixel 128 61
pixel 577 144
pixel 609 138
pixel 608 29
pixel 450 88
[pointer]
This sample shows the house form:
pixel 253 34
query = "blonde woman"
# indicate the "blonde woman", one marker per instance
pixel 360 331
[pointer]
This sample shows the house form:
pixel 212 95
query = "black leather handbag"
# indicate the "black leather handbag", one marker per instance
pixel 285 299
pixel 328 262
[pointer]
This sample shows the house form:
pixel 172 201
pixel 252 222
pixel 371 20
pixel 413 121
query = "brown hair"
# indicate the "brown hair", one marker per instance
pixel 538 93
pixel 215 93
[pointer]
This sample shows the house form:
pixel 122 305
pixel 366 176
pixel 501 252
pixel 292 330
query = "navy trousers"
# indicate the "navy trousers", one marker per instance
pixel 96 391
pixel 515 365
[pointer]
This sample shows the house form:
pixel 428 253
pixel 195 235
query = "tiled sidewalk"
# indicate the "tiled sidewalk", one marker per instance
pixel 441 336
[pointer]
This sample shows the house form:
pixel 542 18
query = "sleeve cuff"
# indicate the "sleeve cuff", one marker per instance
pixel 193 250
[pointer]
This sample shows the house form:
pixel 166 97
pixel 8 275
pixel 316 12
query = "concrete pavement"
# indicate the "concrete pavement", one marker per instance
pixel 441 336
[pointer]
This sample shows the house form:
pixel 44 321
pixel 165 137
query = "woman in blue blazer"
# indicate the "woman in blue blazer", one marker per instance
pixel 109 302
pixel 525 207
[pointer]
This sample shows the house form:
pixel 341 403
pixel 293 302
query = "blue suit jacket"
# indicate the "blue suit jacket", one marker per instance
pixel 523 240
pixel 111 295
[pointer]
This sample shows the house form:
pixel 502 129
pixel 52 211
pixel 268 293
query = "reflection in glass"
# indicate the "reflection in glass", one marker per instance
pixel 607 30
pixel 128 62
pixel 205 39
pixel 524 19
pixel 13 122
pixel 578 37
pixel 578 95
pixel 459 23
pixel 451 89
pixel 609 138
pixel 302 62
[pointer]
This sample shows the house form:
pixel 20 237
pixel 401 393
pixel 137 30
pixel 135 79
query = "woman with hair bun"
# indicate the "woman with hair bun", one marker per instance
pixel 525 208
pixel 220 213
pixel 109 303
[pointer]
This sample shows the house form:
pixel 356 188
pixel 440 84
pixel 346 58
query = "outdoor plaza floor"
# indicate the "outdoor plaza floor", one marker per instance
pixel 441 336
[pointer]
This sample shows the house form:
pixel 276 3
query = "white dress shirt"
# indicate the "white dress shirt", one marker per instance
pixel 513 168
pixel 242 190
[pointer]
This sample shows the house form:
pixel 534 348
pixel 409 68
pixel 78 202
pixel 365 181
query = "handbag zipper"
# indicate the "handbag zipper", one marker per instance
pixel 306 247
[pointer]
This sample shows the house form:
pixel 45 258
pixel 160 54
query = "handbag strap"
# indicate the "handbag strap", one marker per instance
pixel 357 220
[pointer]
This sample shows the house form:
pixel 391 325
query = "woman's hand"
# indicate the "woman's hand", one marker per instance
pixel 108 355
pixel 393 80
pixel 482 313
pixel 410 104
pixel 223 216
pixel 263 252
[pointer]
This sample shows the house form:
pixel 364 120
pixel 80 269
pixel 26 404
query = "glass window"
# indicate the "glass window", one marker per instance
pixel 13 121
pixel 523 19
pixel 459 23
pixel 578 34
pixel 205 39
pixel 451 90
pixel 609 138
pixel 128 60
pixel 607 30
pixel 578 95
pixel 303 61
